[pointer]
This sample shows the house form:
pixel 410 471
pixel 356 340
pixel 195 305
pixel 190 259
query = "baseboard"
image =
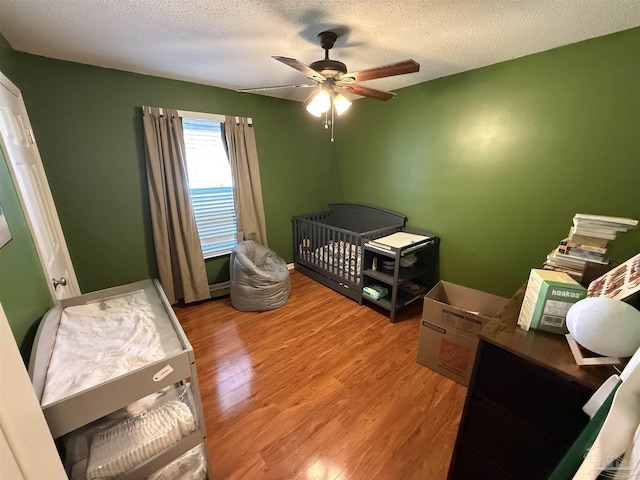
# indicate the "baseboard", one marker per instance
pixel 290 266
pixel 220 289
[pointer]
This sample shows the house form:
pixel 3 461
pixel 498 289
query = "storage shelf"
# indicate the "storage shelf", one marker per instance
pixel 379 275
pixel 70 418
pixel 151 465
pixel 381 302
pixel 398 278
pixel 403 299
pixel 414 294
pixel 405 275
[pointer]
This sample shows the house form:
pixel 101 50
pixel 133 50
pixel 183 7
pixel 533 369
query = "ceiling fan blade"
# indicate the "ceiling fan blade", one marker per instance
pixel 301 67
pixel 365 91
pixel 398 68
pixel 275 87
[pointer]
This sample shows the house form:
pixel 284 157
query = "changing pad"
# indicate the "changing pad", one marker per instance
pixel 100 341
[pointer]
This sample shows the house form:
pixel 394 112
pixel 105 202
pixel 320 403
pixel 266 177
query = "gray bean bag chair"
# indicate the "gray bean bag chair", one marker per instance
pixel 259 278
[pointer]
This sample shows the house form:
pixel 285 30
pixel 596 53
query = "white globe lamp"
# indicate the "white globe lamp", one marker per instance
pixel 605 326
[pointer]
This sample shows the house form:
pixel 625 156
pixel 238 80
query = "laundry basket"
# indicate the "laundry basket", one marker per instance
pixel 259 278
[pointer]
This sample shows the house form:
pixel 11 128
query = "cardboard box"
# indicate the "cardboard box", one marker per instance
pixel 547 300
pixel 452 317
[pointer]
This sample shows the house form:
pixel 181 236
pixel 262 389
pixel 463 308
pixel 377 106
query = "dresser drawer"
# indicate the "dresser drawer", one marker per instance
pixel 471 465
pixel 546 401
pixel 513 447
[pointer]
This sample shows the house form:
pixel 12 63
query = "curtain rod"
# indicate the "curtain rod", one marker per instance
pixel 203 116
pixel 249 121
pixel 208 116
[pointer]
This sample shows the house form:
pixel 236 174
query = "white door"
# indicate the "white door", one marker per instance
pixel 20 149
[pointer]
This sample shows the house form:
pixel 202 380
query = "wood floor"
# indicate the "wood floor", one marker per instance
pixel 321 388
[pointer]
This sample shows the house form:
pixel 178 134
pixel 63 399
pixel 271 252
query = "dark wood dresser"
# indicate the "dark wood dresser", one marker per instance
pixel 524 404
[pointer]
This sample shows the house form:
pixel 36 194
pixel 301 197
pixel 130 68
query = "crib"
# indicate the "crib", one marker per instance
pixel 327 245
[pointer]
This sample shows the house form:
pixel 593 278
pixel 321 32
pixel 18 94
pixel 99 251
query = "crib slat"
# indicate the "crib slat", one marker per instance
pixel 321 243
pixel 296 239
pixel 339 270
pixel 348 256
pixel 353 258
pixel 314 244
pixel 346 270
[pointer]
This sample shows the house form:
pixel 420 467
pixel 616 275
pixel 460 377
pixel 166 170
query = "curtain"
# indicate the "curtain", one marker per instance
pixel 245 170
pixel 181 267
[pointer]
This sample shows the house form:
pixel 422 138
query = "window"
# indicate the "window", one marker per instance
pixel 210 183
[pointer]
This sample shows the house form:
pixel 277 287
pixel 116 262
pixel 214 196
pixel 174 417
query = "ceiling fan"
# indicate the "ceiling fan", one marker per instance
pixel 332 79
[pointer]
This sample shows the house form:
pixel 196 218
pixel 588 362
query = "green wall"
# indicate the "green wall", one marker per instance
pixel 497 160
pixel 89 128
pixel 23 292
pixel 6 53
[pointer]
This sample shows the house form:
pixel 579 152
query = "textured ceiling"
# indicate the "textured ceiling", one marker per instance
pixel 229 44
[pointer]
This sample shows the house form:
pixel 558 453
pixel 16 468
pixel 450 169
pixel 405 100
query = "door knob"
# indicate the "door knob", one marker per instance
pixel 62 281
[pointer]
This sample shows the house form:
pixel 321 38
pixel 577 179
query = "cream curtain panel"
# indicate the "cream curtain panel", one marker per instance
pixel 180 262
pixel 245 170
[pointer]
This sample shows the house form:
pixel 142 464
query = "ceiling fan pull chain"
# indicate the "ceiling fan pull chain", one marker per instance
pixel 332 121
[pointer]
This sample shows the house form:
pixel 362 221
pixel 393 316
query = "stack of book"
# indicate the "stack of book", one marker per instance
pixel 588 241
pixel 597 226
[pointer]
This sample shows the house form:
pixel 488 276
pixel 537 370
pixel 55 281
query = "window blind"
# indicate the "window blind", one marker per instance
pixel 211 186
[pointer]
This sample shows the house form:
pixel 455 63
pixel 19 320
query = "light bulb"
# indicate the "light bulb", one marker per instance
pixel 341 103
pixel 318 103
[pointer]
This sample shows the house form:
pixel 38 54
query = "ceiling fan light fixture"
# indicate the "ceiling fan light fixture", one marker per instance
pixel 318 102
pixel 341 104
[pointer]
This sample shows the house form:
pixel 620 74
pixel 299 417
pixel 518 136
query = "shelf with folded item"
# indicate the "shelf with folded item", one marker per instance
pixel 407 272
pixel 136 441
pixel 403 298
